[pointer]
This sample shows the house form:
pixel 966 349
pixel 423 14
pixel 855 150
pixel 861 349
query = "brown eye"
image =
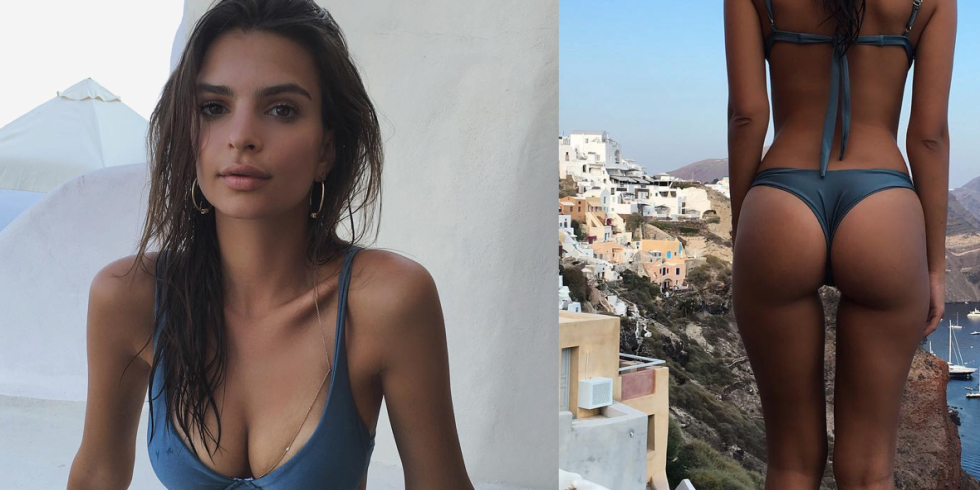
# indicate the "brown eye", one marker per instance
pixel 281 108
pixel 204 109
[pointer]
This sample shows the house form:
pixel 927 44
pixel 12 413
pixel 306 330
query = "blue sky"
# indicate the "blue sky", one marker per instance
pixel 653 75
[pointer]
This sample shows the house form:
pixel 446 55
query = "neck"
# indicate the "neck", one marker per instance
pixel 263 261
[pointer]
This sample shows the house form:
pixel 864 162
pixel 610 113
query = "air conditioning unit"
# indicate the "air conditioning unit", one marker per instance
pixel 595 393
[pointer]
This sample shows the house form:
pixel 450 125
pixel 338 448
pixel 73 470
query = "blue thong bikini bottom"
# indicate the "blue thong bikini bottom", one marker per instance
pixel 831 197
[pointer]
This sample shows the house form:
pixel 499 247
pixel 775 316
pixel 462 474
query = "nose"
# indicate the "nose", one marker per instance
pixel 244 134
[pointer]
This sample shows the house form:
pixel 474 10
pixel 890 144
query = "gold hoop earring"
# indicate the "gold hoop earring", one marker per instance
pixel 323 191
pixel 194 198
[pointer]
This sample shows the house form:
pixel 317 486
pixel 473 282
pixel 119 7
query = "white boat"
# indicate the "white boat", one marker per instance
pixel 957 370
pixel 954 325
pixel 974 333
pixel 975 394
pixel 974 313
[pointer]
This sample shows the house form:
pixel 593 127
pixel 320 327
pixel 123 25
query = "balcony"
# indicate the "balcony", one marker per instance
pixel 637 375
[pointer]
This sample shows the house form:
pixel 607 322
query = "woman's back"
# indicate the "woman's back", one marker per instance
pixel 870 80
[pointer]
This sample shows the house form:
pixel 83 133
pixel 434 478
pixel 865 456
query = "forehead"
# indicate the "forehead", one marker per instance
pixel 246 62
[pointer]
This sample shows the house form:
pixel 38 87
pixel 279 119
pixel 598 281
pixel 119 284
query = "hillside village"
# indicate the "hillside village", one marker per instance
pixel 606 203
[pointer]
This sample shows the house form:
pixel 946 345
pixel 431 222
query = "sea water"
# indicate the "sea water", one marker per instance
pixel 968 409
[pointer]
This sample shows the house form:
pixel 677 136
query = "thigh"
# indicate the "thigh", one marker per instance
pixel 881 270
pixel 778 268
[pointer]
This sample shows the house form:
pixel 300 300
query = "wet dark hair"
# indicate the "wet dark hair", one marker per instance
pixel 190 314
pixel 849 16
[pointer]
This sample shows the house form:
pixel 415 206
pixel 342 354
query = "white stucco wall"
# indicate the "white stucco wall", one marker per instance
pixel 50 253
pixel 468 97
pixel 609 449
pixel 695 199
pixel 467 94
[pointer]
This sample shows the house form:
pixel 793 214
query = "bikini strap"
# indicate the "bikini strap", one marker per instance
pixel 344 285
pixel 915 10
pixel 772 23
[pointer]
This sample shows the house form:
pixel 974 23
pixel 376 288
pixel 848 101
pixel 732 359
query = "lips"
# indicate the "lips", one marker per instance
pixel 244 171
pixel 242 182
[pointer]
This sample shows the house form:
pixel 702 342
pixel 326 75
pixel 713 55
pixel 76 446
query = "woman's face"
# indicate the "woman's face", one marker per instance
pixel 258 100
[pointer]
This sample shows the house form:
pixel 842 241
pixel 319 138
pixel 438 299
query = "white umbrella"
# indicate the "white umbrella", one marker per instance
pixel 84 128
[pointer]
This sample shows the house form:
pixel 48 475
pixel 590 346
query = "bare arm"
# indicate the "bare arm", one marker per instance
pixel 748 100
pixel 927 140
pixel 415 378
pixel 108 450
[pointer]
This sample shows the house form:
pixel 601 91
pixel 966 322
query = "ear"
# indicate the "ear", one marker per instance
pixel 328 154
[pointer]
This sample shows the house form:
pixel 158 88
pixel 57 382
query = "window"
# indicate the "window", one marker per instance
pixel 678 271
pixel 565 379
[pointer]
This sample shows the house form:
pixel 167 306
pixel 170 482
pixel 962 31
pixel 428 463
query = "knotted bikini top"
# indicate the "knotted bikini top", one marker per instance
pixel 337 455
pixel 838 74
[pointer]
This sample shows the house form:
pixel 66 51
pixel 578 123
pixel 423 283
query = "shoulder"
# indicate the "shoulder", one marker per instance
pixel 121 299
pixel 119 278
pixel 391 290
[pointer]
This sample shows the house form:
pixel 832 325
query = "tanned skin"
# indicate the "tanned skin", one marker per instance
pixel 887 254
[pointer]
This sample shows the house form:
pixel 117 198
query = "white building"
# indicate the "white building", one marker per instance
pixel 596 163
pixel 565 223
pixel 722 186
pixel 618 306
pixel 565 297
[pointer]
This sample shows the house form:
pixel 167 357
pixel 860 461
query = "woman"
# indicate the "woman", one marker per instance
pixel 263 139
pixel 857 223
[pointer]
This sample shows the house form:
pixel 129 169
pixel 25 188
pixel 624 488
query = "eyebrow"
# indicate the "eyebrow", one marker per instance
pixel 265 92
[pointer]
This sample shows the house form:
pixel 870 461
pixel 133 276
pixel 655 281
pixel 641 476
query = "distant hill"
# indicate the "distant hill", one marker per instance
pixel 706 170
pixel 962 250
pixel 959 219
pixel 969 197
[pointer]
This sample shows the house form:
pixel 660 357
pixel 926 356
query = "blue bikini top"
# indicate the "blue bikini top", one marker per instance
pixel 336 456
pixel 838 74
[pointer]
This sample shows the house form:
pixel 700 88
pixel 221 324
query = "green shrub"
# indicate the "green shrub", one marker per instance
pixel 577 228
pixel 710 470
pixel 634 220
pixel 733 426
pixel 716 479
pixel 715 262
pixel 699 276
pixel 578 285
pixel 675 438
pixel 639 290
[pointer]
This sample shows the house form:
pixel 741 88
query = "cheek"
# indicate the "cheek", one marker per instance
pixel 296 149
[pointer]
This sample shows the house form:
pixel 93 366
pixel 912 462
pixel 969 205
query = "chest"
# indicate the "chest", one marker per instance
pixel 280 393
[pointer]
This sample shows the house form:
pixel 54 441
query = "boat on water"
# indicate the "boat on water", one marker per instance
pixel 957 371
pixel 957 324
pixel 975 394
pixel 974 333
pixel 974 313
